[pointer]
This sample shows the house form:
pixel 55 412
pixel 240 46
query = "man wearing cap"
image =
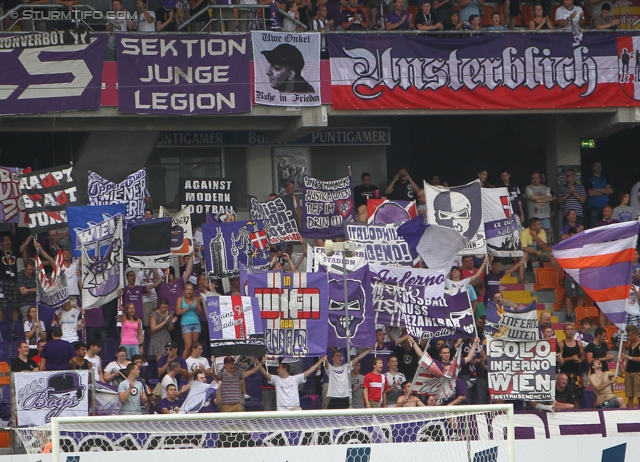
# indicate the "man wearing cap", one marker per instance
pixel 285 70
pixel 287 394
pixel 172 355
pixel 230 378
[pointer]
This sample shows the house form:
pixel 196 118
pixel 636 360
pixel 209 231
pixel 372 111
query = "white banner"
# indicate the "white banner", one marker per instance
pixel 103 276
pixel 286 68
pixel 43 395
pixel 501 228
pixel 181 231
pixel 334 262
pixel 131 191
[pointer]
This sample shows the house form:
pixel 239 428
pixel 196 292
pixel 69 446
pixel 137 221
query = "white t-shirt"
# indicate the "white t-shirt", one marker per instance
pixel 121 20
pixel 453 287
pixel 112 367
pixel 563 14
pixel 338 381
pixel 145 278
pixel 195 363
pixel 68 321
pixel 166 381
pixel 287 391
pixel 145 26
pixel 394 381
pixel 72 278
pixel 96 362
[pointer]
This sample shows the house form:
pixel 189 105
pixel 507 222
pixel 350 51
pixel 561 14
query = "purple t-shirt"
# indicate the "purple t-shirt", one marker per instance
pixel 58 353
pixel 183 365
pixel 134 295
pixel 393 17
pixel 171 406
pixel 94 317
pixel 171 292
pixel 461 390
pixel 334 10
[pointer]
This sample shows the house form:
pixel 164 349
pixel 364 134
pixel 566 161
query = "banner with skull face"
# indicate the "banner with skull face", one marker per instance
pixel 392 287
pixel 43 395
pixel 503 237
pixel 360 323
pixel 181 231
pixel 102 274
pixel 459 208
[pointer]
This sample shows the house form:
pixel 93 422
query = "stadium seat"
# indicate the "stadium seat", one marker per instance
pixel 552 15
pixel 6 330
pixel 611 330
pixel 412 9
pixel 18 330
pixel 5 352
pixel 587 312
pixel 486 15
pixel 108 351
pixel 546 278
pixel 559 291
pixel 526 13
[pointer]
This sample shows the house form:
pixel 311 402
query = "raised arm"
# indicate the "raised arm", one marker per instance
pixel 358 358
pixel 265 373
pixel 315 367
pixel 188 269
pixel 250 372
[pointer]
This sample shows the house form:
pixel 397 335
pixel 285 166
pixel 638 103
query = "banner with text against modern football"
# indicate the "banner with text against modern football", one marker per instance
pixel 51 77
pixel 376 71
pixel 214 195
pixel 183 75
pixel 286 68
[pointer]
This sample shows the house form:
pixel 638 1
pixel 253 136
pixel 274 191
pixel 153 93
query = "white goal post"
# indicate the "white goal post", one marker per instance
pixel 472 433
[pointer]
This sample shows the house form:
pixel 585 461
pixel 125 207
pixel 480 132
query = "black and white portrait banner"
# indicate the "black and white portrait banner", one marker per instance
pixel 286 68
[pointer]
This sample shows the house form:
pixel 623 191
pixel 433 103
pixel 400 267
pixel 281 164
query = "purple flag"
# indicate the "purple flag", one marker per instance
pixel 235 327
pixel 394 286
pixel 293 311
pixel 52 79
pixel 186 75
pixel 227 245
pixel 448 317
pixel 437 245
pixel 326 206
pixel 361 322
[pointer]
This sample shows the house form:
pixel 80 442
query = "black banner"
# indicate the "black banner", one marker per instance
pixel 214 195
pixel 46 195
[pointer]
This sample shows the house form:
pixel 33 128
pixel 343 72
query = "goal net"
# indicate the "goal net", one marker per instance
pixel 456 433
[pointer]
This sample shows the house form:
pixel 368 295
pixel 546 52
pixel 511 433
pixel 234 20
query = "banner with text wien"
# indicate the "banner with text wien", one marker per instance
pixel 49 78
pixel 186 75
pixel 489 72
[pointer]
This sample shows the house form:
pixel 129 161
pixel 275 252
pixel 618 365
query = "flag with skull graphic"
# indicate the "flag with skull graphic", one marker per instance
pixel 360 321
pixel 460 208
pixel 102 274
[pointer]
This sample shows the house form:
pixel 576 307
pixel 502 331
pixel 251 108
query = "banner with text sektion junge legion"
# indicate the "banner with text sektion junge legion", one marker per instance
pixel 193 74
pixel 286 68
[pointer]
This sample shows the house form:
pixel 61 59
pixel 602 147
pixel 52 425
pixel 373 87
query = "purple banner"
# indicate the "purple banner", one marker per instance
pixel 293 311
pixel 52 79
pixel 228 245
pixel 448 317
pixel 326 206
pixel 361 320
pixel 394 286
pixel 192 74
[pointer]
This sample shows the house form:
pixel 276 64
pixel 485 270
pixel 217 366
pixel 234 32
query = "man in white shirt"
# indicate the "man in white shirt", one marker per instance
pixel 146 21
pixel 286 385
pixel 196 363
pixel 170 379
pixel 69 321
pixel 94 359
pixel 567 14
pixel 71 272
pixel 338 389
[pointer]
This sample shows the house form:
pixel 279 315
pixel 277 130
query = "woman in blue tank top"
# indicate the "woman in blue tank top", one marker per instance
pixel 188 307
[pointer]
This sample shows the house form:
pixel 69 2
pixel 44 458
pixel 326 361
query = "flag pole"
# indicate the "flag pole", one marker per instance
pixel 621 336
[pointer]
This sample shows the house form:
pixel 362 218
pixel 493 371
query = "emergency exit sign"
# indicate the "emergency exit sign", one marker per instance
pixel 587 144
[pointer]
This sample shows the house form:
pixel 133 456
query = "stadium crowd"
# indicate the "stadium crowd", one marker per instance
pixel 162 332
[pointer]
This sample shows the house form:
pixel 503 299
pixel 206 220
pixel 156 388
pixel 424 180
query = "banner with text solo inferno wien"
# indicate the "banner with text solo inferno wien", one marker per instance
pixel 492 72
